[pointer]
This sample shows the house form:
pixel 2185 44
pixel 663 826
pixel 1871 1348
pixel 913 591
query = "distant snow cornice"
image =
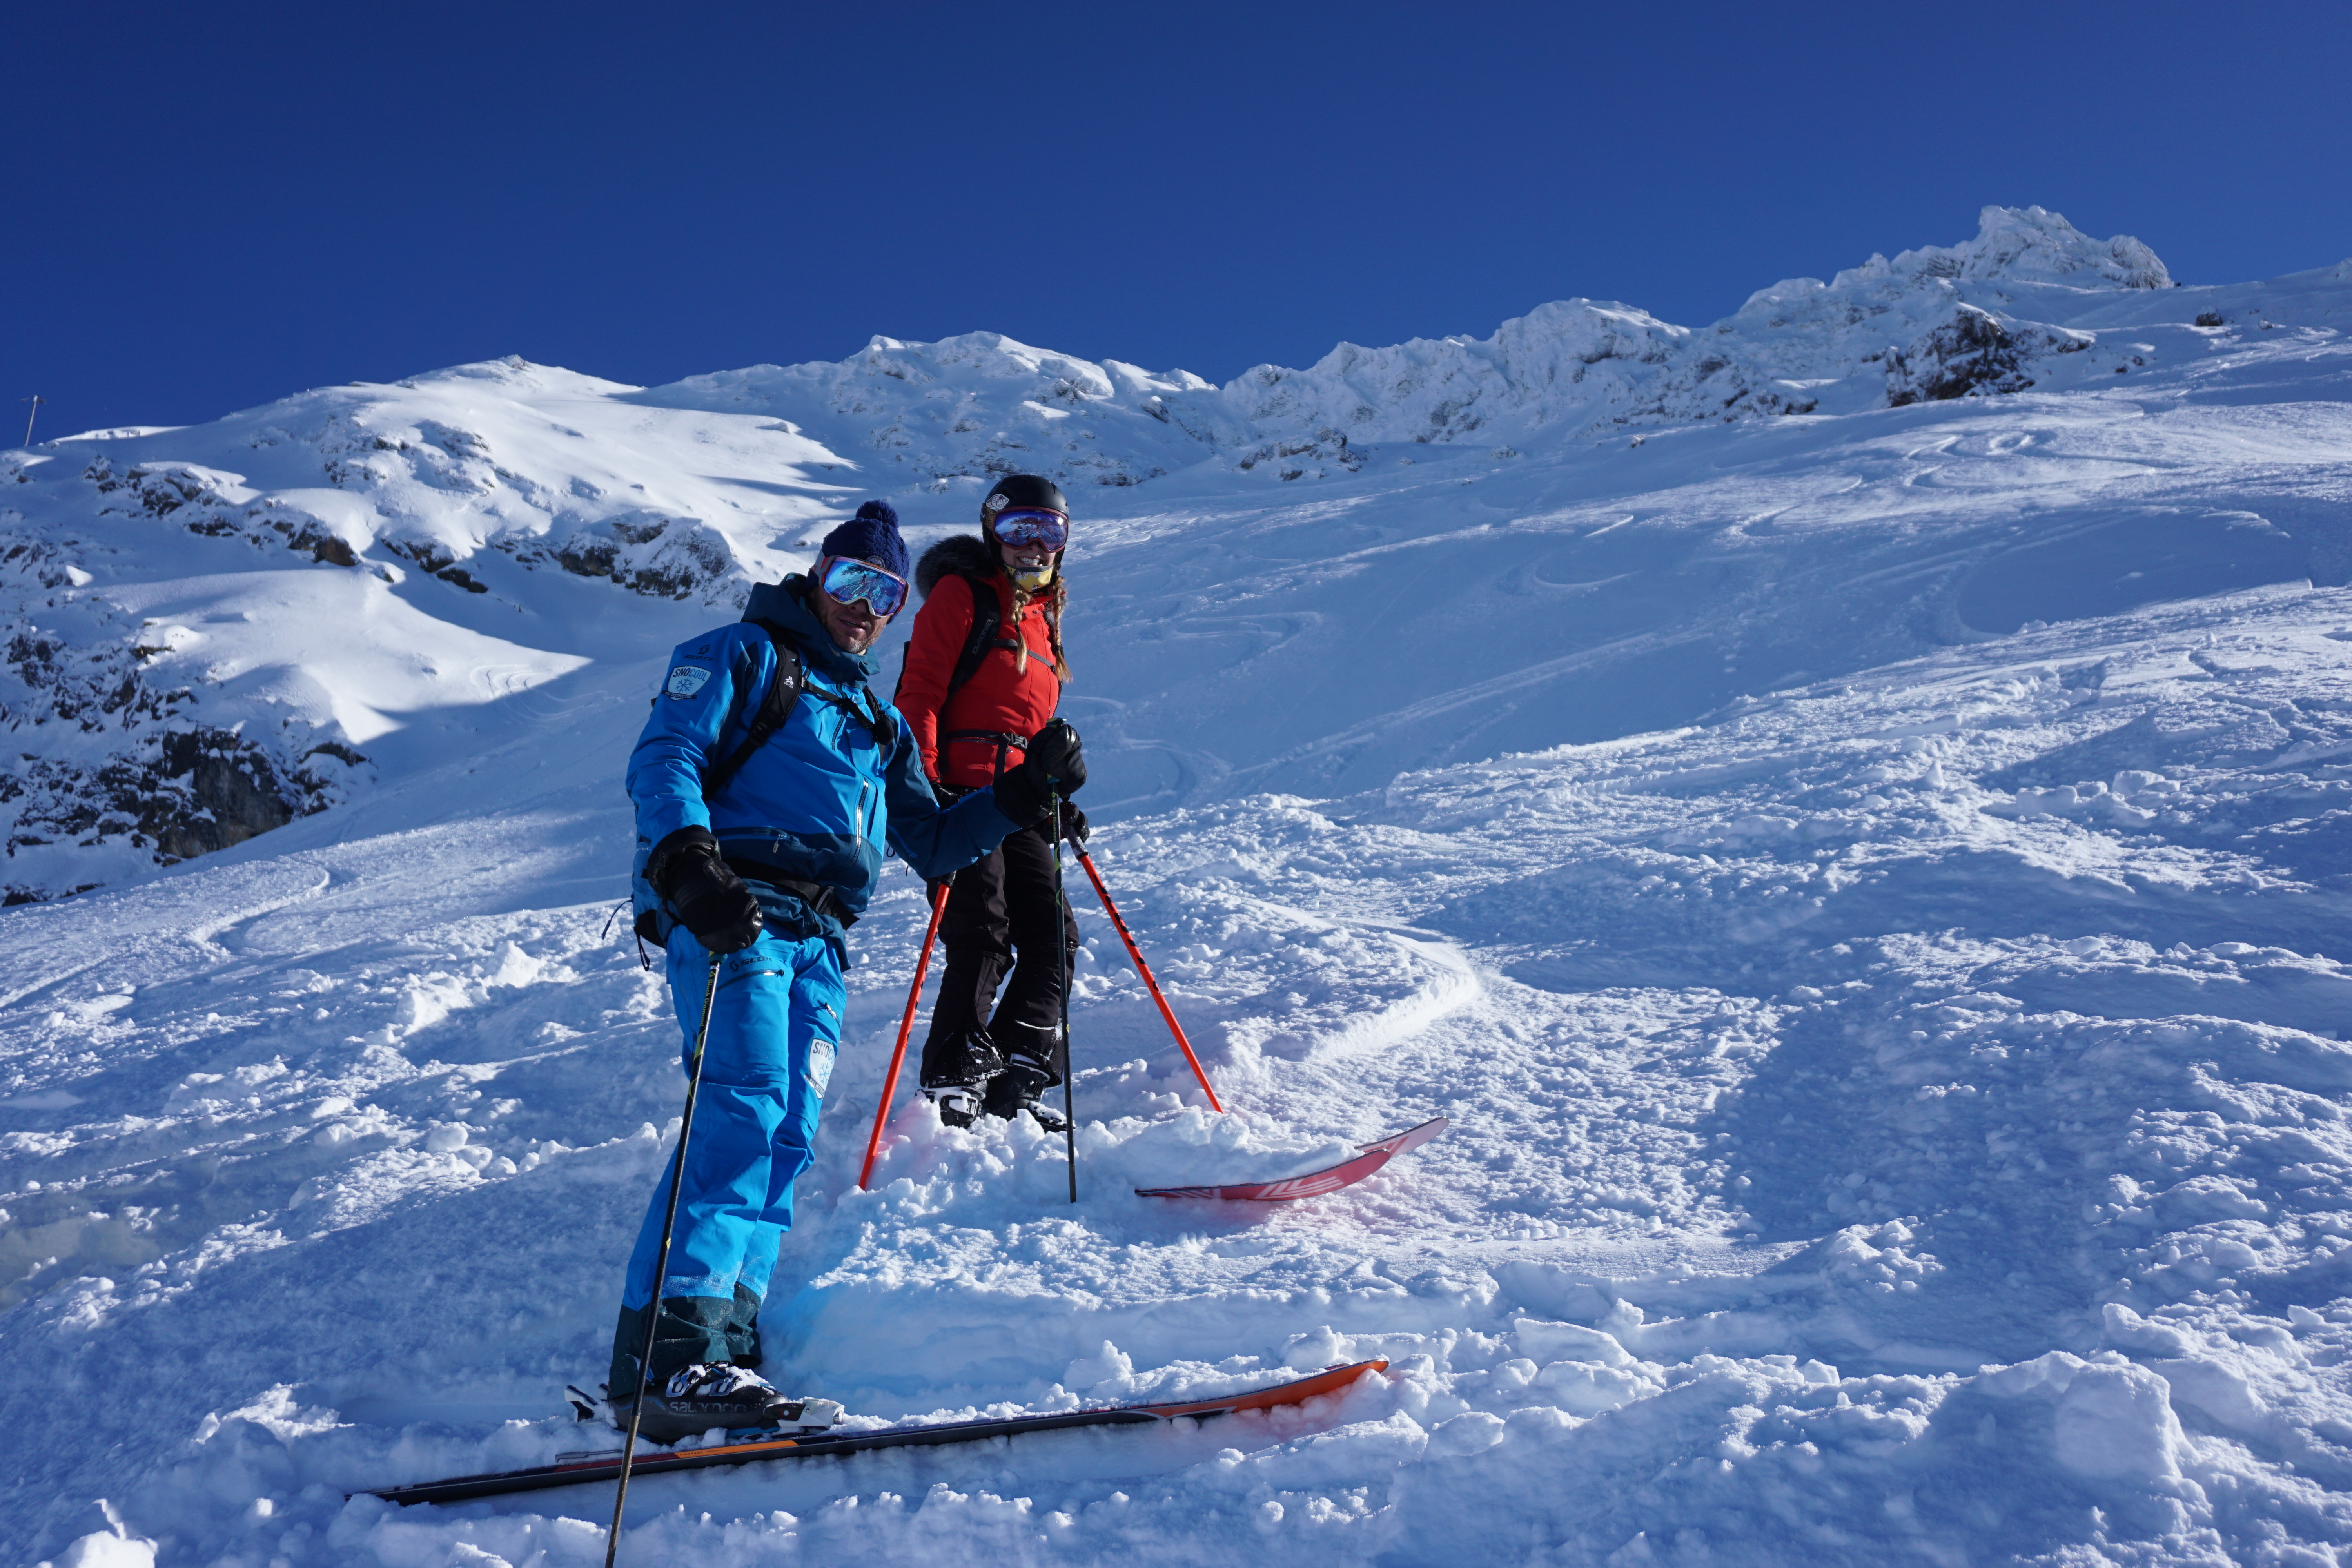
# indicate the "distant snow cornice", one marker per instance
pixel 1800 346
pixel 1939 321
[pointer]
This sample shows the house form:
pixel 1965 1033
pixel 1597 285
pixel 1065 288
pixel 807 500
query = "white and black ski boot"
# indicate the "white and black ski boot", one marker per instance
pixel 956 1074
pixel 958 1104
pixel 714 1393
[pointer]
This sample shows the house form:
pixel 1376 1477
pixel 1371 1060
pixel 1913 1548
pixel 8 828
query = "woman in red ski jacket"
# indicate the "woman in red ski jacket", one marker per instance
pixel 983 673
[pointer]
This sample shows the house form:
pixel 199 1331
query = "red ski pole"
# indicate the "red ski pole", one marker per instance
pixel 906 1028
pixel 1144 969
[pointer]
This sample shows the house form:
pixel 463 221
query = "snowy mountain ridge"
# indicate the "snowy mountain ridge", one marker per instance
pixel 1883 332
pixel 983 403
pixel 146 734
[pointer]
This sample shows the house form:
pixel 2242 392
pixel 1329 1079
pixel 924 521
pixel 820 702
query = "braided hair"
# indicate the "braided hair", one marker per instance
pixel 1057 597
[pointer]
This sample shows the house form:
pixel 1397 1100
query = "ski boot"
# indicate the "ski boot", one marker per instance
pixel 715 1393
pixel 1017 1088
pixel 958 1072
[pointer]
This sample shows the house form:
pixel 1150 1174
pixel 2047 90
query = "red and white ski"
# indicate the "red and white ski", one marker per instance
pixel 1314 1184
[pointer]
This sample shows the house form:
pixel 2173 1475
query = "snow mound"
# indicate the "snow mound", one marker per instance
pixel 1898 1118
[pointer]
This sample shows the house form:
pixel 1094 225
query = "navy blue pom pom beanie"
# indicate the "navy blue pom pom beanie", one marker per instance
pixel 871 535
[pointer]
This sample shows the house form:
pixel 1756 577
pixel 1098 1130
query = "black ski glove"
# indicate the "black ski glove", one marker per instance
pixel 1054 753
pixel 1054 760
pixel 1074 821
pixel 710 899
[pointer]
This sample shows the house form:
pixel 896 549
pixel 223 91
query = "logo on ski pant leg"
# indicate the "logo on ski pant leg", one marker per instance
pixel 821 1052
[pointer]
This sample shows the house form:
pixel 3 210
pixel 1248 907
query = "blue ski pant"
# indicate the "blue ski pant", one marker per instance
pixel 775 1028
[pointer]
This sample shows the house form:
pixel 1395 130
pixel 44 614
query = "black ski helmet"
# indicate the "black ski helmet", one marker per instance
pixel 1020 490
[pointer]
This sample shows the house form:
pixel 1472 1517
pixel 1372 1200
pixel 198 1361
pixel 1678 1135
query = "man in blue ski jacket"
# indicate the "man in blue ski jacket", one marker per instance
pixel 763 818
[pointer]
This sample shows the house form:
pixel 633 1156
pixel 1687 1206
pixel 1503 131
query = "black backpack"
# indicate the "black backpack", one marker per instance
pixel 987 623
pixel 776 709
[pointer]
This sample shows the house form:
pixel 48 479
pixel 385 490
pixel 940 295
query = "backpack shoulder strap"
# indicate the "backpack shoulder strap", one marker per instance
pixel 987 621
pixel 775 709
pixel 886 735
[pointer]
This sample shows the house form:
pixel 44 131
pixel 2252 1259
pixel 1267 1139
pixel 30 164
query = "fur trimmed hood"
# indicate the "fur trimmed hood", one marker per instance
pixel 961 553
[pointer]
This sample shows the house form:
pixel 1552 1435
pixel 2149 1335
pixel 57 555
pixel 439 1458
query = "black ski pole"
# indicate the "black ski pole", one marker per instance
pixel 1069 1071
pixel 661 1260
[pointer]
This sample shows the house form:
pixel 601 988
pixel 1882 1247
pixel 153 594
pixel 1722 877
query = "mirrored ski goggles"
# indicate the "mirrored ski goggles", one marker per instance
pixel 846 582
pixel 1032 525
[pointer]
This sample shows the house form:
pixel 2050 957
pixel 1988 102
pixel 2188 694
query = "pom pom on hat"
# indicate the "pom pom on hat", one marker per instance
pixel 872 535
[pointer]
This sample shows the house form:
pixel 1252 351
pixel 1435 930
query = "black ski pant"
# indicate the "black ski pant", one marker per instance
pixel 1005 913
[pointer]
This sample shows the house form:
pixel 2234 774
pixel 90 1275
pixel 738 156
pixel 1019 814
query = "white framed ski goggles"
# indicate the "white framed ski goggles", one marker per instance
pixel 846 582
pixel 1032 525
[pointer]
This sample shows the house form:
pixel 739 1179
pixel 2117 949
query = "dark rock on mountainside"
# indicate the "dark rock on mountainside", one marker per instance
pixel 1974 354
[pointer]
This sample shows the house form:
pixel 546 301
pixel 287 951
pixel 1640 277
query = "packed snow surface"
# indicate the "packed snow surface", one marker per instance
pixel 1861 882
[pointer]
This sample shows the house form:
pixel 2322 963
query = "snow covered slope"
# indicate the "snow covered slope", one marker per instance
pixel 1864 885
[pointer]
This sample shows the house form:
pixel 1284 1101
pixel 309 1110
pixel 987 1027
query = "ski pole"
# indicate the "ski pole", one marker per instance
pixel 906 1028
pixel 661 1259
pixel 1062 908
pixel 1144 969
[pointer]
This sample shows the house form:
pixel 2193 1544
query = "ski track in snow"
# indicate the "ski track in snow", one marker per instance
pixel 1861 888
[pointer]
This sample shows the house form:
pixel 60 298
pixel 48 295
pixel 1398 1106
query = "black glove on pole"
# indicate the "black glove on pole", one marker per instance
pixel 709 898
pixel 1054 764
pixel 1053 753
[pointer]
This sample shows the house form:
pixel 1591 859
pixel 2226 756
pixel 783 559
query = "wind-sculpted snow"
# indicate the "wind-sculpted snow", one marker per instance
pixel 1901 1116
pixel 1865 891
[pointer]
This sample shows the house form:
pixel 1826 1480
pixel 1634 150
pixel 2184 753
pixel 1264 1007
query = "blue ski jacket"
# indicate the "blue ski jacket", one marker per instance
pixel 822 800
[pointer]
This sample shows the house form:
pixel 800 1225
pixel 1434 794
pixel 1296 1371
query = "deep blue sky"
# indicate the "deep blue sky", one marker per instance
pixel 211 207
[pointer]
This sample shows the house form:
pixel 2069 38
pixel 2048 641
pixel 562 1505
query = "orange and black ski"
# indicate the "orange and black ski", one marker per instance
pixel 580 1468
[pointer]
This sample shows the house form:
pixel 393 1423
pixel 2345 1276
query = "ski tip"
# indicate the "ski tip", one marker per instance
pixel 1314 1183
pixel 1411 1138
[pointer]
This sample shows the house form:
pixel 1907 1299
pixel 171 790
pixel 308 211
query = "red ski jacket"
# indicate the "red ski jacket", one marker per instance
pixel 1012 693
